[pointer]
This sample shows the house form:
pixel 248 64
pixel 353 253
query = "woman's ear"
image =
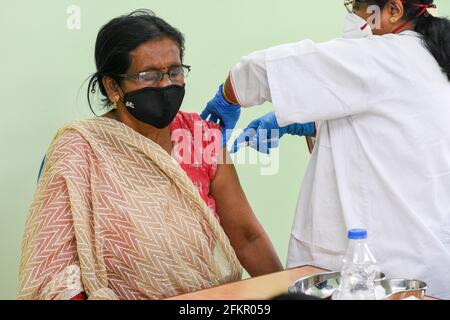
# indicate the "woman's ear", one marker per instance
pixel 396 11
pixel 112 89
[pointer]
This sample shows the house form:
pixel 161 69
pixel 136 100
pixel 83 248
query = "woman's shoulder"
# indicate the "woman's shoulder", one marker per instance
pixel 87 122
pixel 70 139
pixel 79 128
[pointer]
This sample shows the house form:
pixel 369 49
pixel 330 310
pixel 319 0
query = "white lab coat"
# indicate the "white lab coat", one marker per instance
pixel 382 159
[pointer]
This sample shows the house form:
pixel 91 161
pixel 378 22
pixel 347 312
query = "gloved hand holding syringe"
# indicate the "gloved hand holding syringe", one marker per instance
pixel 264 133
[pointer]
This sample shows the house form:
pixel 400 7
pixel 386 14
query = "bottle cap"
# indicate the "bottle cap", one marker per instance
pixel 357 234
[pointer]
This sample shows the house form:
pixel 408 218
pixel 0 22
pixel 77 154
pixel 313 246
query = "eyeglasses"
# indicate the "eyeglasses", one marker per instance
pixel 153 77
pixel 353 6
pixel 349 5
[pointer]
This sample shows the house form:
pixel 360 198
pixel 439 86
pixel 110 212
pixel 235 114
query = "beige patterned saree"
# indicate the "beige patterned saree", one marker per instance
pixel 116 217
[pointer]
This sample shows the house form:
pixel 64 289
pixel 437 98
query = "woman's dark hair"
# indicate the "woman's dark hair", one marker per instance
pixel 118 38
pixel 435 31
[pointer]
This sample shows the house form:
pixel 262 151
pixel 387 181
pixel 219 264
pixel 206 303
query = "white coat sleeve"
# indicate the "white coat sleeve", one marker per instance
pixel 306 81
pixel 249 80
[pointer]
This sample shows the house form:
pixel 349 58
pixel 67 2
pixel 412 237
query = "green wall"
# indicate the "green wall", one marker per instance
pixel 44 63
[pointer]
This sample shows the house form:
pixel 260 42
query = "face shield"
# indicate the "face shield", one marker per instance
pixel 355 26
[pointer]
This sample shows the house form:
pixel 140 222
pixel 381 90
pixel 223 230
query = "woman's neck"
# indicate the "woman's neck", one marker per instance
pixel 159 136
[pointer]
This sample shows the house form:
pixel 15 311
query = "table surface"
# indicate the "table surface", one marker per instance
pixel 258 288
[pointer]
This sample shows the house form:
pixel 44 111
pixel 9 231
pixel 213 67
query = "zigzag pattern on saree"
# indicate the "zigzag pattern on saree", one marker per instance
pixel 104 204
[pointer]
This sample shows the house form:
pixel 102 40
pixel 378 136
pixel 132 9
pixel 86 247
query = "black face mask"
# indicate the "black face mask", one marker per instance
pixel 155 106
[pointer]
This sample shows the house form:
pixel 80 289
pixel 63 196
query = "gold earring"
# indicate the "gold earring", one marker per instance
pixel 393 20
pixel 114 101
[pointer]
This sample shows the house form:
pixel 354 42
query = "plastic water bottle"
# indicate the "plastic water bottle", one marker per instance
pixel 359 269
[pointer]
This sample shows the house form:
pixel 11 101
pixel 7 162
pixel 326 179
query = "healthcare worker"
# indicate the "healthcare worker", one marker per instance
pixel 382 160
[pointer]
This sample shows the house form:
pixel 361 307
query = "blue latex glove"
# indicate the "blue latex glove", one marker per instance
pixel 220 111
pixel 264 133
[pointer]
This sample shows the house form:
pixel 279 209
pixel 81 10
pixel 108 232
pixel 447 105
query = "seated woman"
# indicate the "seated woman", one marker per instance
pixel 122 211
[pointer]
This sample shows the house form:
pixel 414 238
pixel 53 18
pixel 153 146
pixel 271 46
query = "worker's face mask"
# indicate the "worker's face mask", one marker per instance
pixel 356 27
pixel 155 106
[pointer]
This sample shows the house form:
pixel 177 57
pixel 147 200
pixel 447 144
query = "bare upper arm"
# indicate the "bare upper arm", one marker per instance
pixel 236 215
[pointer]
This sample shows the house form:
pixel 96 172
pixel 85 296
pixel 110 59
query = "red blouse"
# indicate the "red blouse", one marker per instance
pixel 196 144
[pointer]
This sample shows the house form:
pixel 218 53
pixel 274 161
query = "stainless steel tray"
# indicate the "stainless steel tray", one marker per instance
pixel 323 285
pixel 398 289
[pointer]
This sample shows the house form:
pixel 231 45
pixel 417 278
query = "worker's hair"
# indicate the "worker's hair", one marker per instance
pixel 435 31
pixel 118 38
